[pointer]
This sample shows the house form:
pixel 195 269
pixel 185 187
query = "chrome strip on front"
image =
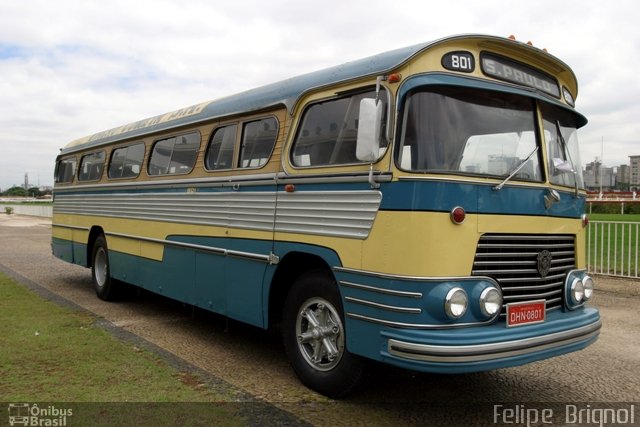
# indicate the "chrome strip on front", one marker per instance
pixel 413 278
pixel 415 325
pixel 381 290
pixel 483 352
pixel 384 306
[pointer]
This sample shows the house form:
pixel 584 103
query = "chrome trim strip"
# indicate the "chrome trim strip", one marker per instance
pixel 222 181
pixel 284 178
pixel 381 290
pixel 218 251
pixel 415 278
pixel 72 227
pixel 416 325
pixel 347 214
pixel 384 306
pixel 483 352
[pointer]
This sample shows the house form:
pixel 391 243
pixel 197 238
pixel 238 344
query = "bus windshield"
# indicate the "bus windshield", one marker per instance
pixel 469 131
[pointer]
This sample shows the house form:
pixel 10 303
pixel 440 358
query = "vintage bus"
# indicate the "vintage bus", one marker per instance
pixel 423 207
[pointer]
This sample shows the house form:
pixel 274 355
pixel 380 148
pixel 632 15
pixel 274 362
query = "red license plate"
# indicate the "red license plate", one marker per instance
pixel 526 313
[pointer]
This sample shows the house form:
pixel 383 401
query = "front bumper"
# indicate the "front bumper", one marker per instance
pixel 490 347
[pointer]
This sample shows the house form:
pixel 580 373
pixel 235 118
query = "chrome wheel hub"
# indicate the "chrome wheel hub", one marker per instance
pixel 320 334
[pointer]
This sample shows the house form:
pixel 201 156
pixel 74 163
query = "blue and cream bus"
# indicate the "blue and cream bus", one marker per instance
pixel 422 207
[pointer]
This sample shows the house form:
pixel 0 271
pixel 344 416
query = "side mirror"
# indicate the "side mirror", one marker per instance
pixel 562 166
pixel 369 127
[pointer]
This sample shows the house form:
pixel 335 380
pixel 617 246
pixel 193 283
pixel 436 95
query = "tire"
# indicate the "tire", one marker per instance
pixel 103 284
pixel 315 339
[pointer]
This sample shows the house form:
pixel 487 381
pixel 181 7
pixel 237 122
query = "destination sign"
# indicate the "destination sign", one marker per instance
pixel 515 72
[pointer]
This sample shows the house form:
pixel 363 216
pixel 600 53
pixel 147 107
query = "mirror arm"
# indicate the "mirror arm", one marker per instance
pixel 374 185
pixel 379 81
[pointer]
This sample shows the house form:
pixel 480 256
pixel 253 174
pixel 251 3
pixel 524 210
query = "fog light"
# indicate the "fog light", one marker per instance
pixel 490 301
pixel 587 285
pixel 577 292
pixel 456 303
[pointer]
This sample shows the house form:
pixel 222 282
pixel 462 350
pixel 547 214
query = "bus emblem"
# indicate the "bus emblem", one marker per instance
pixel 544 263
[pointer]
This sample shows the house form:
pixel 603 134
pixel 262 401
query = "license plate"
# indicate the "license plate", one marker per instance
pixel 526 313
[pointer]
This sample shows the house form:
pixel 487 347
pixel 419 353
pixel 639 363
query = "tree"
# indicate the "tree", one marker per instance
pixel 16 192
pixel 34 192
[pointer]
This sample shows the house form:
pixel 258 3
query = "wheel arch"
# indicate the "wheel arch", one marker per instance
pixel 95 231
pixel 293 265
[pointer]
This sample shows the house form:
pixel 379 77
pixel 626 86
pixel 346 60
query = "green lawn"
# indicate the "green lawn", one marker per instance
pixel 53 354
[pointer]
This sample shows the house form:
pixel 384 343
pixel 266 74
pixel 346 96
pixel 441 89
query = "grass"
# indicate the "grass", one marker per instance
pixel 53 354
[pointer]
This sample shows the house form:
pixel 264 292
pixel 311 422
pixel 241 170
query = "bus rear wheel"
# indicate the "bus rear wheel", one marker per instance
pixel 103 284
pixel 314 336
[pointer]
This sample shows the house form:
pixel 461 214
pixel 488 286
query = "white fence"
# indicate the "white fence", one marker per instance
pixel 612 248
pixel 44 210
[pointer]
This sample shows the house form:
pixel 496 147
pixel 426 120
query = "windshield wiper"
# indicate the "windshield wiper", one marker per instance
pixel 516 170
pixel 566 150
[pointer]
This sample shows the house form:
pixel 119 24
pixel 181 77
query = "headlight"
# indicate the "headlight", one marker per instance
pixel 577 292
pixel 587 285
pixel 490 301
pixel 456 303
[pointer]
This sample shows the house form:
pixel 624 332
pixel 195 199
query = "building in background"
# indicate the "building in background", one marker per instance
pixel 634 172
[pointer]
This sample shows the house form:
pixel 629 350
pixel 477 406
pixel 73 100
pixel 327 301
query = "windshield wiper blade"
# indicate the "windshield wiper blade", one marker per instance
pixel 516 170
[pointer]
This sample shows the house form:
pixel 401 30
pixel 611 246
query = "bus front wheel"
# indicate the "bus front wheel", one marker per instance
pixel 314 336
pixel 100 270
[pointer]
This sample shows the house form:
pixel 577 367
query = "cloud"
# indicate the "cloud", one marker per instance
pixel 69 69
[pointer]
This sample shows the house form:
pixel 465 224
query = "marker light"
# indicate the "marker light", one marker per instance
pixel 585 220
pixel 458 215
pixel 456 303
pixel 394 78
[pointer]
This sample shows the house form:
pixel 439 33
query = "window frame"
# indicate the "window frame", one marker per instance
pixel 120 147
pixel 386 137
pixel 175 137
pixel 72 175
pixel 435 88
pixel 82 160
pixel 240 142
pixel 233 153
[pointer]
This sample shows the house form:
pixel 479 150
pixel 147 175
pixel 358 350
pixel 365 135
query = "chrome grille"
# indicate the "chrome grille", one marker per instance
pixel 512 260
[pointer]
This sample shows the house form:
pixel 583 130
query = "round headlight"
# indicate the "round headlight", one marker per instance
pixel 577 291
pixel 490 301
pixel 587 284
pixel 456 303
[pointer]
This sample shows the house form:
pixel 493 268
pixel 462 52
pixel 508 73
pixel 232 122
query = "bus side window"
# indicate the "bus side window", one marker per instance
pixel 258 139
pixel 126 161
pixel 91 167
pixel 329 129
pixel 173 156
pixel 220 151
pixel 65 170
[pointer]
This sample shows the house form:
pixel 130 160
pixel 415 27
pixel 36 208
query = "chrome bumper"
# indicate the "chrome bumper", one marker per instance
pixel 486 352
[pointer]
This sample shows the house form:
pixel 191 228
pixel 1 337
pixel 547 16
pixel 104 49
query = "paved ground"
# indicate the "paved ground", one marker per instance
pixel 252 361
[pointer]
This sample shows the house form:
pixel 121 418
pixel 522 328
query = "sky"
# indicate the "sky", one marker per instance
pixel 71 68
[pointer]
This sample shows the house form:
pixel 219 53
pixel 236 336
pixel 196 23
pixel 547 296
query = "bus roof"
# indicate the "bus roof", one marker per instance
pixel 284 93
